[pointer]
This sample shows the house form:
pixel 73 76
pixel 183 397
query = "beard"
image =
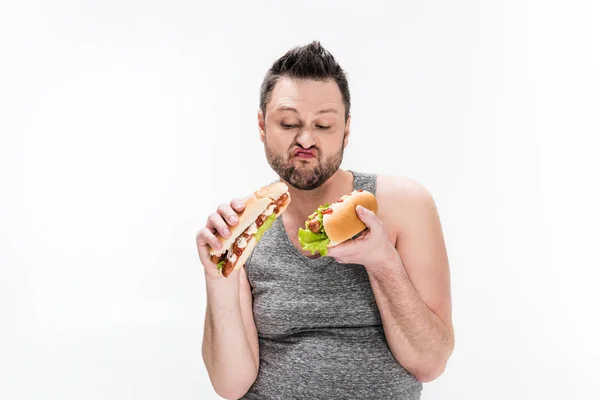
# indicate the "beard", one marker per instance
pixel 303 176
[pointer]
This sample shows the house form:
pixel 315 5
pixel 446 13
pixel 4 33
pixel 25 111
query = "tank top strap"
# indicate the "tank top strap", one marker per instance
pixel 365 181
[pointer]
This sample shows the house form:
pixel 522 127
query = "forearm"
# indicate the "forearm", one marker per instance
pixel 227 354
pixel 417 337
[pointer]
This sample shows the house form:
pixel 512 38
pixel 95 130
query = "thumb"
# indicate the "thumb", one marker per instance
pixel 367 216
pixel 370 219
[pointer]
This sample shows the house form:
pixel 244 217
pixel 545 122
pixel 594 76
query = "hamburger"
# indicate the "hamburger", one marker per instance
pixel 262 208
pixel 332 224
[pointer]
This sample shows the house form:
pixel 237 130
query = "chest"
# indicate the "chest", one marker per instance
pixel 292 294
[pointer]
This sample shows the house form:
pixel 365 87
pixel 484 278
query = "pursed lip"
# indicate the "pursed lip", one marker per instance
pixel 304 153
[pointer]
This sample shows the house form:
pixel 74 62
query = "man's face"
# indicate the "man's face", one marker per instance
pixel 304 132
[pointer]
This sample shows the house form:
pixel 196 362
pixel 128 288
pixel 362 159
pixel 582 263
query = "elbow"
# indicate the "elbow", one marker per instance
pixel 234 388
pixel 231 394
pixel 428 373
pixel 231 384
pixel 230 381
pixel 431 366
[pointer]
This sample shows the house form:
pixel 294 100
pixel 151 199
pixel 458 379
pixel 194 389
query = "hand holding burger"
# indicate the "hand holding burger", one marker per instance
pixel 332 224
pixel 349 231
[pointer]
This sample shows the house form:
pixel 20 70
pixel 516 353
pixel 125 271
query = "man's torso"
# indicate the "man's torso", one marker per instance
pixel 319 328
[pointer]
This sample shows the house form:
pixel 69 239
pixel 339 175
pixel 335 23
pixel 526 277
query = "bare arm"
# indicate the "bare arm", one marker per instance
pixel 418 338
pixel 406 262
pixel 230 341
pixel 412 288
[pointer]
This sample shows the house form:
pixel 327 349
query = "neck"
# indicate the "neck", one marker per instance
pixel 305 202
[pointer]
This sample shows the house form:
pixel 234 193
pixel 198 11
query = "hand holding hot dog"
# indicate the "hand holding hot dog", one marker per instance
pixel 218 223
pixel 230 235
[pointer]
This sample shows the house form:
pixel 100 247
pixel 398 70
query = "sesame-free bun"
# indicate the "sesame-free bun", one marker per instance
pixel 272 191
pixel 256 204
pixel 343 223
pixel 241 260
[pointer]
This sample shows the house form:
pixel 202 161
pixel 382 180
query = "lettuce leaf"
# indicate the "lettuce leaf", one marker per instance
pixel 311 241
pixel 259 233
pixel 266 225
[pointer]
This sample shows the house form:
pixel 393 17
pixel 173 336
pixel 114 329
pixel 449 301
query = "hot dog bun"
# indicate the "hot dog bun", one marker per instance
pixel 270 200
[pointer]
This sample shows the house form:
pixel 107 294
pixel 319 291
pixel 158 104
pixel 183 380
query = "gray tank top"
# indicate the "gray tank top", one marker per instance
pixel 319 328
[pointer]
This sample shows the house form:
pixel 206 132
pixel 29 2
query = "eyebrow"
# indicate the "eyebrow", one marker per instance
pixel 323 111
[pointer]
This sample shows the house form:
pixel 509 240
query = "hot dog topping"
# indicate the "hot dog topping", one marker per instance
pixel 226 262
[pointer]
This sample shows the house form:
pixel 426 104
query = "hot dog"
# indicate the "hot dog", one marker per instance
pixel 262 208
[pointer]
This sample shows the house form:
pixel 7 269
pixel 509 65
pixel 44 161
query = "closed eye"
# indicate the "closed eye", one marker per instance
pixel 323 127
pixel 288 126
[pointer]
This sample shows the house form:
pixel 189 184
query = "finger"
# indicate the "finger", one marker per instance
pixel 337 250
pixel 206 237
pixel 227 214
pixel 238 205
pixel 361 235
pixel 216 221
pixel 368 217
pixel 337 255
pixel 333 253
pixel 203 251
pixel 348 246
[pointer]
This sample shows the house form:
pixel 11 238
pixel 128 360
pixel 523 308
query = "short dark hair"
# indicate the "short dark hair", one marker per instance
pixel 311 61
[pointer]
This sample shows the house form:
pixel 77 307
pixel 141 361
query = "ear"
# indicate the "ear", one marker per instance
pixel 347 132
pixel 261 126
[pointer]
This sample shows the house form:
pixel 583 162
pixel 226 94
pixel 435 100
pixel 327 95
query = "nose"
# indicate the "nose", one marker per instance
pixel 306 138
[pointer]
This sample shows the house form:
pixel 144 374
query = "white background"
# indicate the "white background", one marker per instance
pixel 123 124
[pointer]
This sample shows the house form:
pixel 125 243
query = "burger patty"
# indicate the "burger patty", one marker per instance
pixel 314 226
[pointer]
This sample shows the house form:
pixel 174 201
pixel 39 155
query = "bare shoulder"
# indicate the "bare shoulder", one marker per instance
pixel 395 185
pixel 401 196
